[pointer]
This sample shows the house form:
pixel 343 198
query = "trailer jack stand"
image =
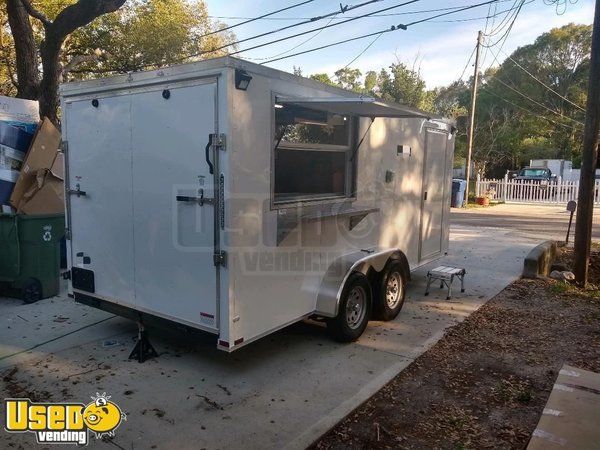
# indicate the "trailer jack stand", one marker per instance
pixel 143 349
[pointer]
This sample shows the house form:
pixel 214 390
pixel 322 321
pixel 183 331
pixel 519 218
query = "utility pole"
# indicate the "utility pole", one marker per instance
pixel 472 120
pixel 589 160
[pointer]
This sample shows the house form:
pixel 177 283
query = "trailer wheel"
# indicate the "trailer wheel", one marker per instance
pixel 32 290
pixel 392 290
pixel 353 313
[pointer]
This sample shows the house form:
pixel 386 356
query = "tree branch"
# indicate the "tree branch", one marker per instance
pixel 80 14
pixel 35 13
pixel 79 59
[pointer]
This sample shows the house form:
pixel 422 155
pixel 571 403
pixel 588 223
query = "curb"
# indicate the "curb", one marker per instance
pixel 538 262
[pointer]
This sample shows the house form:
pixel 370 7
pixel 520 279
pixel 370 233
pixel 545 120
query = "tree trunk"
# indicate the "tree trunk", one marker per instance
pixel 50 53
pixel 72 17
pixel 25 50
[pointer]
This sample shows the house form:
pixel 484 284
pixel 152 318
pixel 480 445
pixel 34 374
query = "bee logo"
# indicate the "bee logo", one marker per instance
pixel 102 416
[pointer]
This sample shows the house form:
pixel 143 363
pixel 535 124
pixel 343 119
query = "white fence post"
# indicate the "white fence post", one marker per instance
pixel 560 192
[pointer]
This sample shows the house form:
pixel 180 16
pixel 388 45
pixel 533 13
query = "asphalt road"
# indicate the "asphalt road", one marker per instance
pixel 544 222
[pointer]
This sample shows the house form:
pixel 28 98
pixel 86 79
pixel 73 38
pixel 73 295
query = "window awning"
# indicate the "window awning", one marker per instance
pixel 357 106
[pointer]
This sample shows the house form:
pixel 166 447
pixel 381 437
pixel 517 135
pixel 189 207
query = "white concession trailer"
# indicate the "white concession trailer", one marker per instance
pixel 237 199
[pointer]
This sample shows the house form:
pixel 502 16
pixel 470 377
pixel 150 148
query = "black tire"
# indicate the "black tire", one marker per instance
pixel 392 283
pixel 32 291
pixel 352 318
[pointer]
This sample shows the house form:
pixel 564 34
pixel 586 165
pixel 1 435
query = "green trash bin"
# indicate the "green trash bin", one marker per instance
pixel 30 255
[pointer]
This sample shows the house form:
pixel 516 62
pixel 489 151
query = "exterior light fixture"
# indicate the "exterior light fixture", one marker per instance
pixel 278 106
pixel 242 79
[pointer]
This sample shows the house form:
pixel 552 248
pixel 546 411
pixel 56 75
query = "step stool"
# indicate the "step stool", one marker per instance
pixel 445 275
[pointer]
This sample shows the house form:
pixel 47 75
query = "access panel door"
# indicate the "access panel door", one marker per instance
pixel 173 232
pixel 434 185
pixel 98 161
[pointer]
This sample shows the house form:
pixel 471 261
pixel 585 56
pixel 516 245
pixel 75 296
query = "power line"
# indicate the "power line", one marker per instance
pixel 378 35
pixel 294 47
pixel 526 96
pixel 485 30
pixel 392 28
pixel 467 65
pixel 535 101
pixel 541 82
pixel 287 27
pixel 571 127
pixel 252 19
pixel 364 50
pixel 404 13
pixel 503 22
pixel 468 19
pixel 466 8
pixel 504 37
pixel 315 29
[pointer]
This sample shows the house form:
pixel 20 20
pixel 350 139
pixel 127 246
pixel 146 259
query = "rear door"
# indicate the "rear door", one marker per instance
pixel 434 185
pixel 174 240
pixel 98 136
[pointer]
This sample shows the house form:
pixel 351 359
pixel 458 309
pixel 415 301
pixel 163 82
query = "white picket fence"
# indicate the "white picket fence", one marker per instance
pixel 516 191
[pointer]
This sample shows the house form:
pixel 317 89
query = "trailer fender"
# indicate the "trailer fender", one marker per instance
pixel 363 261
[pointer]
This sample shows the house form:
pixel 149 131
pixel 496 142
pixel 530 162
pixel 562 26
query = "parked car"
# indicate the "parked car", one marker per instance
pixel 540 174
pixel 539 183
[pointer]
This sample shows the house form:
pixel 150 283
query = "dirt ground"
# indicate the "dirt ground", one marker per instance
pixel 486 383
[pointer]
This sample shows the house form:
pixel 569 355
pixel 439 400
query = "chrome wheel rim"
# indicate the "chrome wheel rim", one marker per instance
pixel 393 290
pixel 356 307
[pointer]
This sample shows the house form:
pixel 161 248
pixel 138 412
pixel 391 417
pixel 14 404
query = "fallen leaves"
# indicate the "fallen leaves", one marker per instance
pixel 483 385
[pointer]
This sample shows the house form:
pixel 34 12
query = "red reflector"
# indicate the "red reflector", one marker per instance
pixel 210 316
pixel 238 341
pixel 224 344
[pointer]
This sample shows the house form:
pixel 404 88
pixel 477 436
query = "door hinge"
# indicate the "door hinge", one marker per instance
pixel 219 141
pixel 220 258
pixel 64 145
pixel 68 234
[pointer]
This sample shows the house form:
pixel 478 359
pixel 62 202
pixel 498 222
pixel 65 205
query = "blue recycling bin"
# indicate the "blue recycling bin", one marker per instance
pixel 458 192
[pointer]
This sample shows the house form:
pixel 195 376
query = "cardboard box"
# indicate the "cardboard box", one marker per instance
pixel 40 158
pixel 45 195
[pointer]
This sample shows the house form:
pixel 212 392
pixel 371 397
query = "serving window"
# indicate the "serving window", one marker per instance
pixel 313 154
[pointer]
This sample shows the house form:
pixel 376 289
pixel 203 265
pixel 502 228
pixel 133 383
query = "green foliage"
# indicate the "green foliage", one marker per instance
pixel 142 34
pixel 404 85
pixel 370 81
pixel 509 129
pixel 399 84
pixel 147 34
pixel 349 79
pixel 322 77
pixel 559 59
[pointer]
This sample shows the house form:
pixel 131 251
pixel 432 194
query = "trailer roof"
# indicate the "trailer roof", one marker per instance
pixel 358 106
pixel 363 106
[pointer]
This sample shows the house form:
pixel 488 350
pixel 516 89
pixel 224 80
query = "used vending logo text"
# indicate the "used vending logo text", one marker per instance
pixel 63 423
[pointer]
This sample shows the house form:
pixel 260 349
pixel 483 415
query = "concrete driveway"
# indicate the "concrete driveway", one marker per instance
pixel 283 391
pixel 544 221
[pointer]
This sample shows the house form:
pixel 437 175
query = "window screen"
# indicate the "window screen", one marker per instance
pixel 312 154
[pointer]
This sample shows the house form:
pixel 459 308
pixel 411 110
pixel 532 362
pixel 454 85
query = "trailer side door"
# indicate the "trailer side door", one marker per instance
pixel 434 186
pixel 100 218
pixel 173 232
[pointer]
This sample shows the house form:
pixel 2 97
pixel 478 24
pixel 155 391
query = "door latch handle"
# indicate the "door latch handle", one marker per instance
pixel 425 196
pixel 201 200
pixel 211 167
pixel 77 191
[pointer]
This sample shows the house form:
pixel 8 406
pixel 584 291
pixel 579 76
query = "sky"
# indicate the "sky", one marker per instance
pixel 439 48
